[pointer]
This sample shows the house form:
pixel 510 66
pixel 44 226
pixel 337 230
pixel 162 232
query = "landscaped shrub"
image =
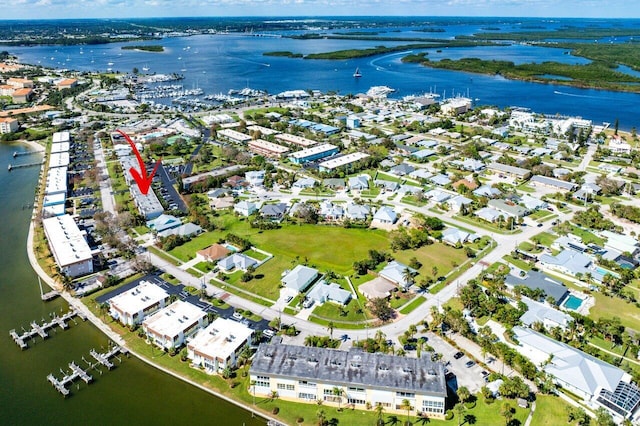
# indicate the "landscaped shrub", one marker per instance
pixel 448 415
pixel 275 410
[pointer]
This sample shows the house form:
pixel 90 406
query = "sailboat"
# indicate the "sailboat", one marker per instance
pixel 145 68
pixel 357 73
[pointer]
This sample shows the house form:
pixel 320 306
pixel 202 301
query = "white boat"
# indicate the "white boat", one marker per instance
pixel 357 73
pixel 109 63
pixel 145 68
pixel 380 91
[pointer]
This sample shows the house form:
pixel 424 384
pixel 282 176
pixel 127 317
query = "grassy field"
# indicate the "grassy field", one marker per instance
pixel 609 307
pixel 410 307
pixel 550 410
pixel 330 310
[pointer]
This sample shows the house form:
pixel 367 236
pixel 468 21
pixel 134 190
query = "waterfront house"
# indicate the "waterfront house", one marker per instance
pixel 131 307
pixel 170 326
pixel 311 375
pixel 218 345
pixel 544 314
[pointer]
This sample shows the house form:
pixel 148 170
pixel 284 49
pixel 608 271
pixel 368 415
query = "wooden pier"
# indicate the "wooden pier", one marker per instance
pixel 41 329
pixel 78 372
pixel 49 295
pixel 19 154
pixel 21 166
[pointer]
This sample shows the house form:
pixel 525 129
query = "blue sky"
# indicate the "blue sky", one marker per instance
pixel 37 9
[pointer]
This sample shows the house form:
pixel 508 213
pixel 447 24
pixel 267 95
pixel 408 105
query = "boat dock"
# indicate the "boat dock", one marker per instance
pixel 78 372
pixel 18 154
pixel 41 329
pixel 20 166
pixel 49 296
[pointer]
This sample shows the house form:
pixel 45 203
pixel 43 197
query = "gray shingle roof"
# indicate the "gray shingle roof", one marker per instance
pixel 353 367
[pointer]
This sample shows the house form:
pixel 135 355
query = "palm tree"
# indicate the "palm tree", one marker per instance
pixel 407 276
pixel 507 412
pixel 321 417
pixel 463 394
pixel 406 405
pixel 253 388
pixel 434 272
pixel 330 327
pixel 379 410
pixel 338 392
pixel 459 409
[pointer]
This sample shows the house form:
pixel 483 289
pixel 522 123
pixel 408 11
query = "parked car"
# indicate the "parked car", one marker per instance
pixel 237 316
pixel 458 355
pixel 269 333
pixel 469 364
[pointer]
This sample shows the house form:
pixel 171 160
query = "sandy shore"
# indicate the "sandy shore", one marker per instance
pixel 35 146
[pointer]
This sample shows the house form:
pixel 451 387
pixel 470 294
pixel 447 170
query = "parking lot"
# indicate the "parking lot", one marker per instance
pixel 471 377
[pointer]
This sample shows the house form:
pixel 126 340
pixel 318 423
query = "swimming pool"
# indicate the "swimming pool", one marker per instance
pixel 573 302
pixel 230 247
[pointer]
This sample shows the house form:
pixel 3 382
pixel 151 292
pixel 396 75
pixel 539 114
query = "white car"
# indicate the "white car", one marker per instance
pixel 237 316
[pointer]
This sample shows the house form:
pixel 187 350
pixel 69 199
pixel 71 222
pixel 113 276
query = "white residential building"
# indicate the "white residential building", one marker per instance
pixel 169 327
pixel 68 245
pixel 134 305
pixel 217 346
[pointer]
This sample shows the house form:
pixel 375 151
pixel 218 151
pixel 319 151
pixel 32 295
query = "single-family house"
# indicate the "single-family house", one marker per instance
pixel 437 195
pixel 455 236
pixel 323 292
pixel 456 203
pixel 532 204
pixel 385 215
pixel 254 178
pixel 572 263
pixel 188 229
pixel 330 211
pixel 245 208
pixel 488 214
pixel 357 211
pixel 440 179
pixel 212 253
pixel 163 222
pixel 402 169
pixel 507 208
pixel 539 280
pixel 236 261
pixel 598 383
pixel 396 272
pixel 544 314
pixel 304 183
pixel 273 212
pixel 299 278
pixel 487 191
pixel 359 183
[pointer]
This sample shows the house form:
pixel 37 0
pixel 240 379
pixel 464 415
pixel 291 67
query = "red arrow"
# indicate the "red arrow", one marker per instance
pixel 141 178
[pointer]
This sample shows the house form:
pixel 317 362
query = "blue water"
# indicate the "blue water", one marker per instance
pixel 217 63
pixel 573 302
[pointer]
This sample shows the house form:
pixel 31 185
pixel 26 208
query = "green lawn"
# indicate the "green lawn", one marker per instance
pixel 587 237
pixel 331 311
pixel 540 214
pixel 442 256
pixel 550 410
pixel 415 303
pixel 518 263
pixel 256 255
pixel 600 342
pixel 609 307
pixel 546 239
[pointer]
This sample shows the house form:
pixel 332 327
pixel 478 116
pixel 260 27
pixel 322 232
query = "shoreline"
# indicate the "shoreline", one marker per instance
pixel 104 328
